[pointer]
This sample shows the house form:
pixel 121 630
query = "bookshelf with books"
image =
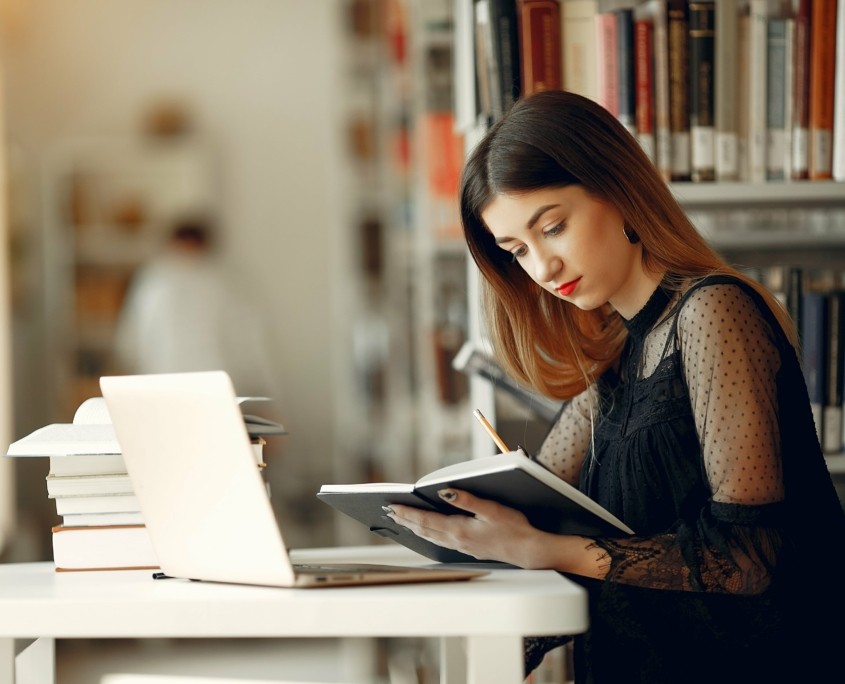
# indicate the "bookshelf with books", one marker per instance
pixel 401 408
pixel 764 222
pixel 778 230
pixel 373 349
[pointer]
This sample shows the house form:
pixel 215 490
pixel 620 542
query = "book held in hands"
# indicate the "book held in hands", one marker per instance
pixel 511 478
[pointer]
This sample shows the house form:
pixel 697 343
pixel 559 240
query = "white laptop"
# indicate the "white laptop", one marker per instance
pixel 204 501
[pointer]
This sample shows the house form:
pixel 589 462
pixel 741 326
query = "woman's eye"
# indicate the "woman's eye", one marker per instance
pixel 555 230
pixel 519 252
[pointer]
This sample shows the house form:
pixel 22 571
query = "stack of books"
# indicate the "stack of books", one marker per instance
pixel 102 524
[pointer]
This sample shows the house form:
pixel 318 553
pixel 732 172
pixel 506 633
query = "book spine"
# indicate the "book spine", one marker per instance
pixel 464 84
pixel 813 315
pixel 677 18
pixel 607 62
pixel 757 98
pixel 663 138
pixel 481 14
pixel 834 360
pixel 839 98
pixel 702 40
pixel 789 113
pixel 778 35
pixel 578 51
pixel 625 68
pixel 801 92
pixel 794 294
pixel 644 85
pixel 726 93
pixel 505 42
pixel 539 45
pixel 743 88
pixel 822 82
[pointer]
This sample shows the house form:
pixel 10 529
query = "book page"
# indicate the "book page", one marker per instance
pixel 62 439
pixel 92 411
pixel 367 487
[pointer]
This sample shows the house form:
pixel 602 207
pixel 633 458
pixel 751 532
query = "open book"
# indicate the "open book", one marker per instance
pixel 513 479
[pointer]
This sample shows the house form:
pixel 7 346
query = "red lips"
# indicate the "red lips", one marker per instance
pixel 568 288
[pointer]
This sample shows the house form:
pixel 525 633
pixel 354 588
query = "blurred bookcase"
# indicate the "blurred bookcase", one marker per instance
pixel 401 409
pixel 108 205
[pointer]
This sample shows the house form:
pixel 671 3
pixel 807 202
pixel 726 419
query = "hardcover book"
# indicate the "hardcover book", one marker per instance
pixel 757 46
pixel 813 352
pixel 511 478
pixel 578 50
pixel 839 97
pixel 726 111
pixel 117 547
pixel 88 485
pixel 644 85
pixel 679 112
pixel 779 105
pixel 834 367
pixel 655 12
pixel 539 45
pixel 625 81
pixel 504 41
pixel 702 66
pixel 607 61
pixel 85 505
pixel 822 86
pixel 800 166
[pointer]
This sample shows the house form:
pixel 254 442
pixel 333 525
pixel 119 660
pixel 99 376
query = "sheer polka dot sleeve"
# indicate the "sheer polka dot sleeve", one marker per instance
pixel 730 365
pixel 565 445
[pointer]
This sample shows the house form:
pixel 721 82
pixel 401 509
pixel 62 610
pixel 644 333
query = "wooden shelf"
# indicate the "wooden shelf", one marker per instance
pixel 774 239
pixel 797 194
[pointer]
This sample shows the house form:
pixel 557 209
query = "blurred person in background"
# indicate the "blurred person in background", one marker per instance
pixel 182 314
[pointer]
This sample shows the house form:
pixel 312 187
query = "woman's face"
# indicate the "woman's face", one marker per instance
pixel 572 245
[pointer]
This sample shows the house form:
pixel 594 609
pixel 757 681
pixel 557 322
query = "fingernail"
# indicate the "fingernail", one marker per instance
pixel 447 494
pixel 387 509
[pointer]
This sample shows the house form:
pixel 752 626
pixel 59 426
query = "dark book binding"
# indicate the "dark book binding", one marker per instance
pixel 504 28
pixel 702 70
pixel 539 45
pixel 679 115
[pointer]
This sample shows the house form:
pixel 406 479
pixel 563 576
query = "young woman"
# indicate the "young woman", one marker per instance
pixel 686 415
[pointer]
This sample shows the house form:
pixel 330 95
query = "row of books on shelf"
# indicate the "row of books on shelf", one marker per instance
pixel 102 525
pixel 816 301
pixel 734 90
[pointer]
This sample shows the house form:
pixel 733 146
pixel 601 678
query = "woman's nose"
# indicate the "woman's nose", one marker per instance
pixel 547 267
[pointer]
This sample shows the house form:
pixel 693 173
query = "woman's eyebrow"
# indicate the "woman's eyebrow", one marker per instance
pixel 529 224
pixel 537 214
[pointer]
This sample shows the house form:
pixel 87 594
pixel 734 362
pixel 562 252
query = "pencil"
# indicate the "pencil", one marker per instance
pixel 490 431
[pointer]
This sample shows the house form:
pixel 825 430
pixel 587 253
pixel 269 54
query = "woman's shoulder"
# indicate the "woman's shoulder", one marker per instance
pixel 719 294
pixel 719 304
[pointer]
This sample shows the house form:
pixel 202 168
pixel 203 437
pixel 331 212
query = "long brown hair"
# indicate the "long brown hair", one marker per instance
pixel 554 139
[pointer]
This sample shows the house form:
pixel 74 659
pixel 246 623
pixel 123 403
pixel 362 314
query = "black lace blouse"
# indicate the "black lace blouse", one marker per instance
pixel 703 443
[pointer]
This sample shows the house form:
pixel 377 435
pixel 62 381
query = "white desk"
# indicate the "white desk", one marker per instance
pixel 484 618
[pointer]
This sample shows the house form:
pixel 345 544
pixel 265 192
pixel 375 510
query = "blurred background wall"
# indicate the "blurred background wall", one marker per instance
pixel 256 81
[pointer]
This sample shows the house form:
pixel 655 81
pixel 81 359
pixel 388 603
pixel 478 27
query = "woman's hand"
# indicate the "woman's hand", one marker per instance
pixel 492 532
